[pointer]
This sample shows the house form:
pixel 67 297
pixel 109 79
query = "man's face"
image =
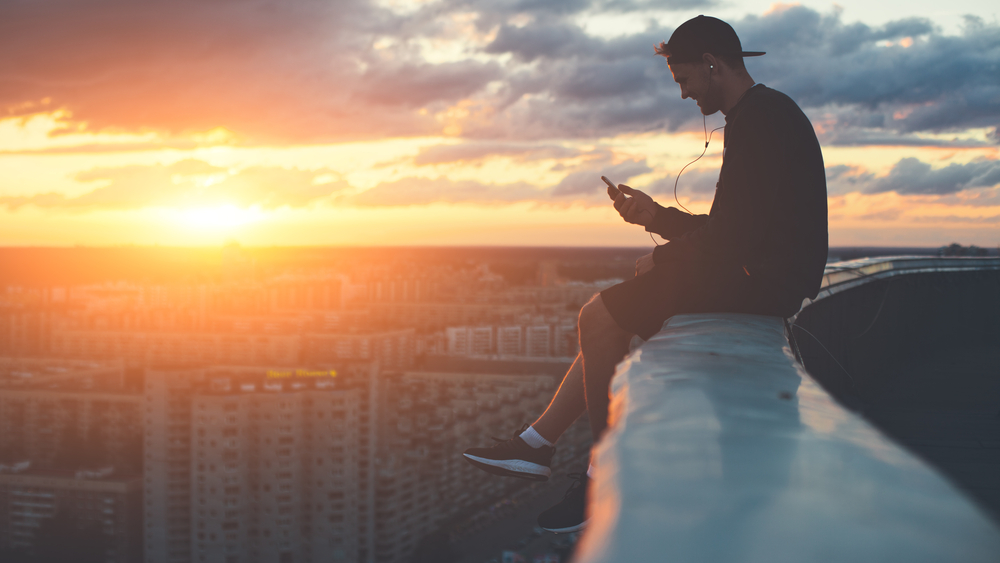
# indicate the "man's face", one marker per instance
pixel 696 83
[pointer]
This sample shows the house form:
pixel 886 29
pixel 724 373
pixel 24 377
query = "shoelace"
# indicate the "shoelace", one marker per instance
pixel 580 481
pixel 516 434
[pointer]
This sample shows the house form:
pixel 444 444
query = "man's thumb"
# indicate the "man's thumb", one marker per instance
pixel 625 189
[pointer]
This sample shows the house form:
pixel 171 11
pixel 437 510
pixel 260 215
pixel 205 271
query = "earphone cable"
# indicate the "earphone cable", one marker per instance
pixel 708 139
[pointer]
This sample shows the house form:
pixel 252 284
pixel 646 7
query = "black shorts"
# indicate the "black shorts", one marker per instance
pixel 641 304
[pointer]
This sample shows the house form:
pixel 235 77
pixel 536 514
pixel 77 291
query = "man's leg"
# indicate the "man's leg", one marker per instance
pixel 528 454
pixel 602 344
pixel 566 406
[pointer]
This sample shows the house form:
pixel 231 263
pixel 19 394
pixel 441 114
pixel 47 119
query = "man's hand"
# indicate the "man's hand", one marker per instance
pixel 638 209
pixel 644 264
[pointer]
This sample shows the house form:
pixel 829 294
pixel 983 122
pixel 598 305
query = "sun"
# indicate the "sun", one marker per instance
pixel 218 218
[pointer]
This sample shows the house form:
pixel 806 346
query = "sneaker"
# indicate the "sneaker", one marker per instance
pixel 513 458
pixel 570 514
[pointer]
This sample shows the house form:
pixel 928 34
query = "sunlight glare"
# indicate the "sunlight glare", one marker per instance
pixel 221 217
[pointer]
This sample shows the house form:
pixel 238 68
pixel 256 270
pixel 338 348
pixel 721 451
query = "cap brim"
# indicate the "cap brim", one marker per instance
pixel 753 53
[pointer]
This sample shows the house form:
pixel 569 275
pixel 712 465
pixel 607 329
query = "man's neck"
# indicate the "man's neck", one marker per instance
pixel 735 94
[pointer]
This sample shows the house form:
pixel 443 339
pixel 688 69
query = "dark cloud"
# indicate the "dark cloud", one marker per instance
pixel 857 136
pixel 493 12
pixel 189 184
pixel 912 176
pixel 304 71
pixel 843 179
pixel 936 83
pixel 297 71
pixel 909 176
pixel 558 39
pixel 978 181
pixel 871 92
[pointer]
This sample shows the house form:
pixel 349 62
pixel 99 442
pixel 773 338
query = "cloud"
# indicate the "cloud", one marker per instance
pixel 981 220
pixel 477 151
pixel 912 176
pixel 844 179
pixel 852 136
pixel 492 12
pixel 424 191
pixel 886 215
pixel 697 184
pixel 873 84
pixel 586 180
pixel 417 85
pixel 297 71
pixel 580 185
pixel 902 77
pixel 306 72
pixel 190 184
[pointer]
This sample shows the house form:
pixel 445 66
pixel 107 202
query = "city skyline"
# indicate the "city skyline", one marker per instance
pixel 485 123
pixel 312 411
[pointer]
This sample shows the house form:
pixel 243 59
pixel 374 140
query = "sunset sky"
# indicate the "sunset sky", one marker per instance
pixel 446 122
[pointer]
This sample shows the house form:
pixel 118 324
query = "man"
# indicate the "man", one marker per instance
pixel 761 250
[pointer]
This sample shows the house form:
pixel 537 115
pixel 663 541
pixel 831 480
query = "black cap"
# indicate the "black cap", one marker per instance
pixel 701 35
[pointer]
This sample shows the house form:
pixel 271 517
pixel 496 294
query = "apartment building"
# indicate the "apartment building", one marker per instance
pixel 260 464
pixel 58 412
pixel 275 471
pixel 470 341
pixel 423 482
pixel 437 316
pixel 555 338
pixel 111 503
pixel 192 348
pixel 392 349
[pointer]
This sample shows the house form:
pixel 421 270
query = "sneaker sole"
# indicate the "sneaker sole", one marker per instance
pixel 568 530
pixel 511 467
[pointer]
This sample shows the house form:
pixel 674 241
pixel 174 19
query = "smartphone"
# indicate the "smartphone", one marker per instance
pixel 613 191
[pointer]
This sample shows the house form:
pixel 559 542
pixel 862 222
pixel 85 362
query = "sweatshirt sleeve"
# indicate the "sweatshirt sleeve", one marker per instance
pixel 671 223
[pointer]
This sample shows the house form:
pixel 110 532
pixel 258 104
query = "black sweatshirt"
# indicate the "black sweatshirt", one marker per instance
pixel 769 215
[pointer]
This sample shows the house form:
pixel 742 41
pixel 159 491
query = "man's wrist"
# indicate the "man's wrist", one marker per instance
pixel 657 216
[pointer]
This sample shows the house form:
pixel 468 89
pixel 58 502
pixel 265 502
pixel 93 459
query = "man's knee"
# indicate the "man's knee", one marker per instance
pixel 595 319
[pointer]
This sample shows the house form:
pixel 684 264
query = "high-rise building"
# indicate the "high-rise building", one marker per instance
pixel 543 338
pixel 70 447
pixel 111 504
pixel 509 341
pixel 167 464
pixel 251 464
pixel 63 413
pixel 537 341
pixel 275 471
pixel 391 349
pixel 427 420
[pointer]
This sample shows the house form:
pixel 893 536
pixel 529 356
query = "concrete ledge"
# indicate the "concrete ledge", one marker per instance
pixel 723 449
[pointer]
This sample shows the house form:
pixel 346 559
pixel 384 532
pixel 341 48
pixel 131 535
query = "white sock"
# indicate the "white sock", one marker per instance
pixel 534 439
pixel 590 471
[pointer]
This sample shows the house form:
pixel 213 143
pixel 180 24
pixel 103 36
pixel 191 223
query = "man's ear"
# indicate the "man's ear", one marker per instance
pixel 711 63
